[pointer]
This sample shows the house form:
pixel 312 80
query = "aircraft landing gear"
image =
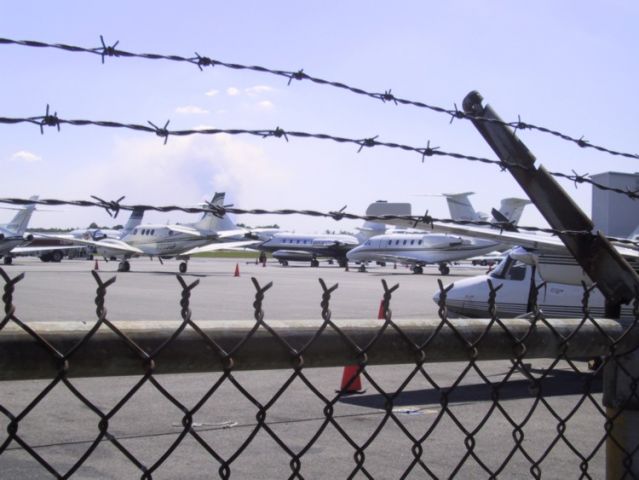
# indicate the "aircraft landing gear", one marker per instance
pixel 314 262
pixel 342 262
pixel 8 260
pixel 124 266
pixel 444 269
pixel 183 267
pixel 418 269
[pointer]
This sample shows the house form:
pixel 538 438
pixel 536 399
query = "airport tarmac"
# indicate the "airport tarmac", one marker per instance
pixel 283 423
pixel 151 291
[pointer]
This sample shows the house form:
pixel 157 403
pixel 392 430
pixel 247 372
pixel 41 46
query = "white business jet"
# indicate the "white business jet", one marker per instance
pixel 173 241
pixel 286 247
pixel 420 249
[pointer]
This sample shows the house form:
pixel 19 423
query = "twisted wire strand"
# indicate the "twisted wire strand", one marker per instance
pixel 386 97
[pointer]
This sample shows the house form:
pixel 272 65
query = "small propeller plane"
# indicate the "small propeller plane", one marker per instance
pixel 178 241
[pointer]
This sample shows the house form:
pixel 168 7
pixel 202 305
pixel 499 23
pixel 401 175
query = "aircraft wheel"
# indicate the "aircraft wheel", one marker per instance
pixel 124 266
pixel 284 263
pixel 56 256
pixel 418 270
pixel 444 269
pixel 183 267
pixel 8 260
pixel 362 267
pixel 314 263
pixel 342 262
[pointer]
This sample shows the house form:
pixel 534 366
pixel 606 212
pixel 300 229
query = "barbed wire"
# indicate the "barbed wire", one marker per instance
pixel 426 221
pixel 52 120
pixel 387 96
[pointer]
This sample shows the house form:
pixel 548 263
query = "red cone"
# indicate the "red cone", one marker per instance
pixel 351 382
pixel 95 267
pixel 380 313
pixel 237 270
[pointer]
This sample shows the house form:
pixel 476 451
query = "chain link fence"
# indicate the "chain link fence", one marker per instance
pixel 445 398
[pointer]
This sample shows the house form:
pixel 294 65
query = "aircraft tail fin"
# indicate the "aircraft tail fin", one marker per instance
pixel 19 223
pixel 379 208
pixel 134 220
pixel 512 208
pixel 210 222
pixel 460 207
pixel 368 230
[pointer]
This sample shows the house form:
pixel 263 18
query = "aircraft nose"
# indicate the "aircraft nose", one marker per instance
pixel 436 297
pixel 353 254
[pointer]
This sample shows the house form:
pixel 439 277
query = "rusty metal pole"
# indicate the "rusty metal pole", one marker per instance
pixel 615 278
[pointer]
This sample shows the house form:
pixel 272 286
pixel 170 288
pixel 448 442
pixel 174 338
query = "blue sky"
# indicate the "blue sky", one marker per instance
pixel 570 66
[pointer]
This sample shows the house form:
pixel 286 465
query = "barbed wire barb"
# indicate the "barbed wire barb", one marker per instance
pixel 300 75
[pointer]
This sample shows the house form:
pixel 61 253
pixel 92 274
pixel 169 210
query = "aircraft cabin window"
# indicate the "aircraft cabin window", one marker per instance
pixel 419 242
pixel 405 242
pixel 412 242
pixel 390 242
pixel 517 272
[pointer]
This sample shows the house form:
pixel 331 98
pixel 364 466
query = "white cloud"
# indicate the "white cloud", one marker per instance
pixel 265 104
pixel 191 110
pixel 258 89
pixel 232 91
pixel 182 172
pixel 25 156
pixel 212 93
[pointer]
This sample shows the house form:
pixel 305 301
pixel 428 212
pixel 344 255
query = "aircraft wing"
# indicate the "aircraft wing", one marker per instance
pixel 220 246
pixel 28 250
pixel 110 243
pixel 545 243
pixel 238 232
pixel 185 229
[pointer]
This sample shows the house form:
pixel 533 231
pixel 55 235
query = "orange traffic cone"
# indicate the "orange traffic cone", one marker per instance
pixel 351 382
pixel 380 313
pixel 237 270
pixel 95 267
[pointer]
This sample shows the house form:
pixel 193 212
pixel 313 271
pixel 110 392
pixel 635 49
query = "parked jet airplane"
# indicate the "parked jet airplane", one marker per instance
pixel 420 249
pixel 287 247
pixel 14 233
pixel 169 241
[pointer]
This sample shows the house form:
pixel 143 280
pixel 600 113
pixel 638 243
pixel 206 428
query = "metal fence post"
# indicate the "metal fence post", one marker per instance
pixel 613 274
pixel 621 400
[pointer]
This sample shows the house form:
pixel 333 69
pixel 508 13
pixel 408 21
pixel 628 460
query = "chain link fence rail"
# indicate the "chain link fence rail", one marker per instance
pixel 61 353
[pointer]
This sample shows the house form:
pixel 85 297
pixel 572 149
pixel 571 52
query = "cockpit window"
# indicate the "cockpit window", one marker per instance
pixel 509 269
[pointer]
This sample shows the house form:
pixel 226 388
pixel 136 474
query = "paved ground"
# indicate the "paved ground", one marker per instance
pixel 60 427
